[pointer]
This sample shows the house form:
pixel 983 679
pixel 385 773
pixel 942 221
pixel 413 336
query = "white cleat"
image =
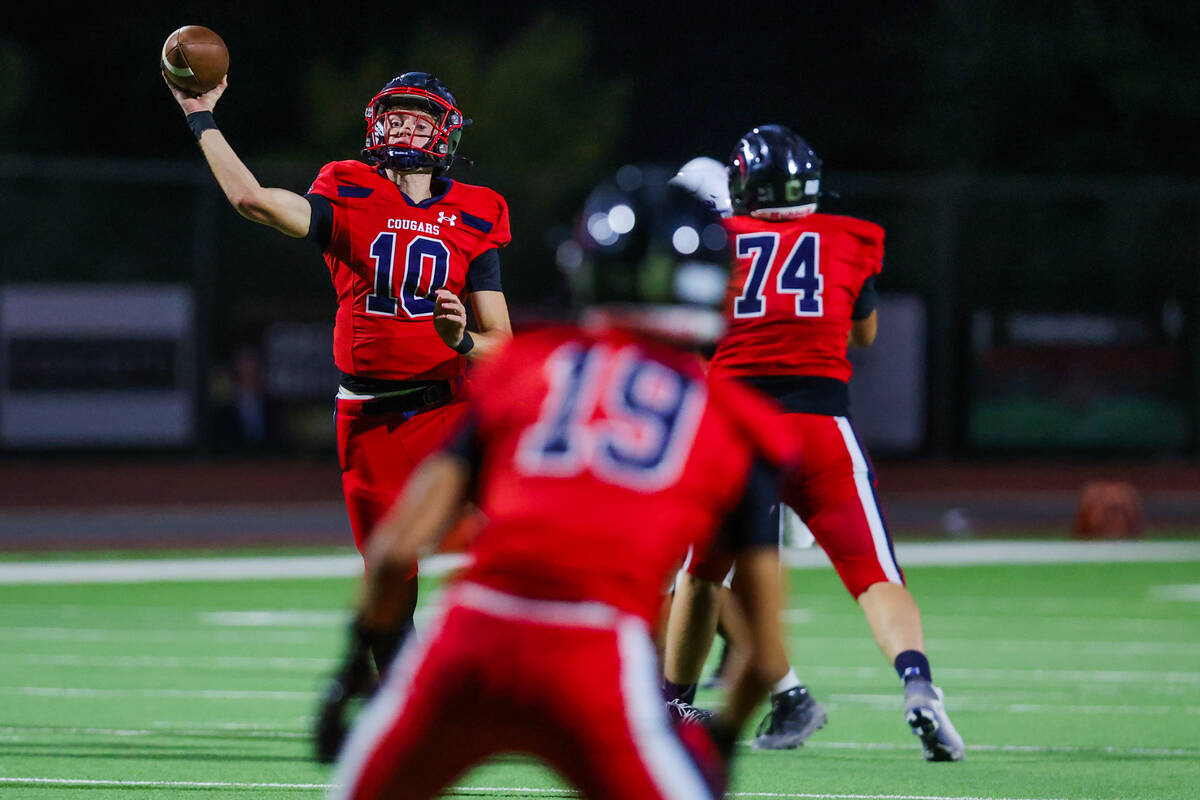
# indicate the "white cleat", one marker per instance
pixel 926 715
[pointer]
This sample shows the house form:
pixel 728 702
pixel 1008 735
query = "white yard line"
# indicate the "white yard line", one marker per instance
pixel 954 554
pixel 156 570
pixel 971 703
pixel 19 733
pixel 254 663
pixel 472 790
pixel 205 694
pixel 306 665
pixel 817 796
pixel 26 733
pixel 160 635
pixel 278 618
pixel 1176 593
pixel 1073 676
pixel 157 784
pixel 1108 648
pixel 343 566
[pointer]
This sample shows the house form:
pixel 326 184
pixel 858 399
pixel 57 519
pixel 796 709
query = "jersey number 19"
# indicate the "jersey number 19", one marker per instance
pixel 651 413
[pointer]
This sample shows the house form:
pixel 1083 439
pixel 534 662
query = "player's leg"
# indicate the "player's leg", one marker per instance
pixel 378 451
pixel 691 626
pixel 374 467
pixel 794 715
pixel 894 618
pixel 837 500
pixel 408 743
pixel 734 633
pixel 618 743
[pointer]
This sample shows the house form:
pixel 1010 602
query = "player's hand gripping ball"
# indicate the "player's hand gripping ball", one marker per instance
pixel 194 59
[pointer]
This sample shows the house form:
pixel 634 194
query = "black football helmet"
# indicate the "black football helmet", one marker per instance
pixel 649 255
pixel 422 92
pixel 774 174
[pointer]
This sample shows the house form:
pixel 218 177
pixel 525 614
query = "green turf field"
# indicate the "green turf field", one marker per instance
pixel 1067 681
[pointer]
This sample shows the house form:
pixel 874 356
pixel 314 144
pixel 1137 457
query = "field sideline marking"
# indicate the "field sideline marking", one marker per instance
pixel 342 566
pixel 471 789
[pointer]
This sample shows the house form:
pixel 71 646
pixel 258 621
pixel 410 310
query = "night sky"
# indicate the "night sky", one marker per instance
pixel 1017 87
pixel 702 77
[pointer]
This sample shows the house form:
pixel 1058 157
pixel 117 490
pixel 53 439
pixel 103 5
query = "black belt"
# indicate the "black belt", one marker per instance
pixel 399 397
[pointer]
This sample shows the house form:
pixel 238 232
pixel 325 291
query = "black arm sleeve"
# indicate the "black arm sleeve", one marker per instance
pixel 754 521
pixel 866 301
pixel 320 225
pixel 483 273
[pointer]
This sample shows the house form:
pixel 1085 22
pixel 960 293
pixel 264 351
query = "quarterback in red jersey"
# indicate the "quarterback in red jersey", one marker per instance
pixel 803 287
pixel 404 245
pixel 600 452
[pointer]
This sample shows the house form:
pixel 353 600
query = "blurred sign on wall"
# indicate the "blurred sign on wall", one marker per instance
pixel 887 390
pixel 1076 381
pixel 299 358
pixel 301 381
pixel 96 365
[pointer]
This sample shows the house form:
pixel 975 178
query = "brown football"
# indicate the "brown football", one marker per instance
pixel 194 59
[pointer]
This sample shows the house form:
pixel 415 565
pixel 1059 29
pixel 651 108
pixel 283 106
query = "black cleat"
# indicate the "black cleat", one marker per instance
pixel 794 716
pixel 681 712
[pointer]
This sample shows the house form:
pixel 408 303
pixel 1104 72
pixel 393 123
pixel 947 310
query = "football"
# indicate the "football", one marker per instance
pixel 194 59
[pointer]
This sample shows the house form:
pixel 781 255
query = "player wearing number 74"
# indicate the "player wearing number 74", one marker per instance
pixel 405 245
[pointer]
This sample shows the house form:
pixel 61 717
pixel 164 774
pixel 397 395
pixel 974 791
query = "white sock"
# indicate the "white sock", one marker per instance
pixel 789 681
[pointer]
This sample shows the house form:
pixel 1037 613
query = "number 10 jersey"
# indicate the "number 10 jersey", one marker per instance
pixel 388 255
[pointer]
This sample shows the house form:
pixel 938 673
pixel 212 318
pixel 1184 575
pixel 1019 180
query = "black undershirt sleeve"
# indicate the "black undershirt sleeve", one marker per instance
pixel 483 273
pixel 320 226
pixel 866 301
pixel 754 521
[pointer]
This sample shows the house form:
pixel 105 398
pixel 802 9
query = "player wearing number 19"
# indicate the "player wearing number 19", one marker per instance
pixel 403 244
pixel 600 452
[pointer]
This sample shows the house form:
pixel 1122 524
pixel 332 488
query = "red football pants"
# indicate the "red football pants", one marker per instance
pixel 834 493
pixel 379 451
pixel 575 684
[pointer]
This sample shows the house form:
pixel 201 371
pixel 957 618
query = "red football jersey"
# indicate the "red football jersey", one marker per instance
pixel 388 255
pixel 601 457
pixel 792 292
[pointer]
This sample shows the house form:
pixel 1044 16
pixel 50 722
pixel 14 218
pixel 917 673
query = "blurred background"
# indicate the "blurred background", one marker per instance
pixel 1035 168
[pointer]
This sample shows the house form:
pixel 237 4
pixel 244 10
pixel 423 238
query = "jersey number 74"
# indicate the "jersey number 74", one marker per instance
pixel 800 274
